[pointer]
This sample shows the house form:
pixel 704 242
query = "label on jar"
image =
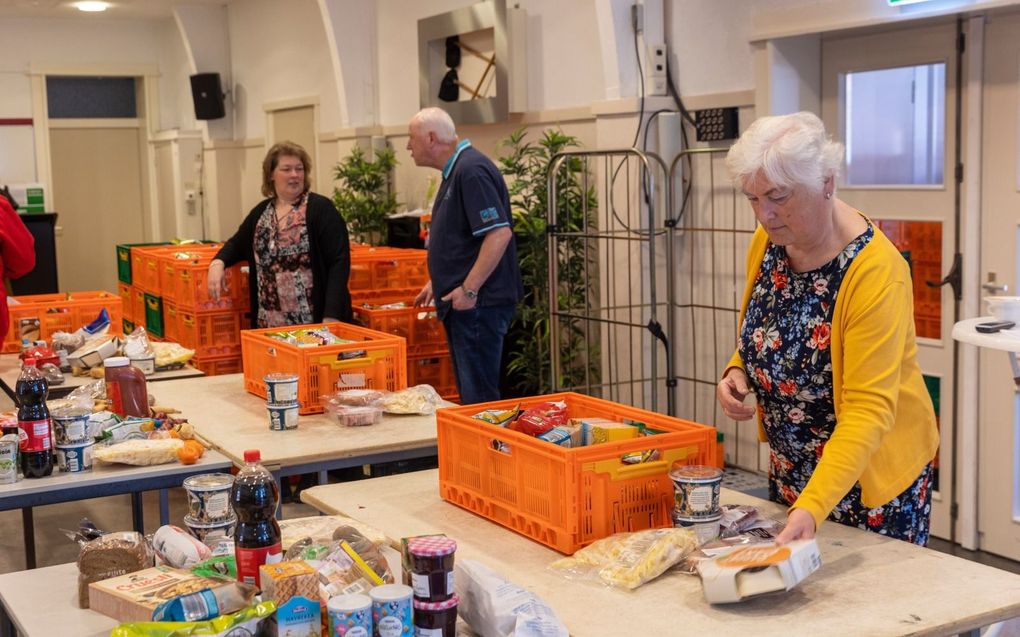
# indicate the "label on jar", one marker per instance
pixel 35 435
pixel 449 582
pixel 427 632
pixel 218 505
pixel 700 498
pixel 249 561
pixel 420 584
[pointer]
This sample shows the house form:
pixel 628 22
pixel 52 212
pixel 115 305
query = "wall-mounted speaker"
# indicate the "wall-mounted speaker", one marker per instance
pixel 207 95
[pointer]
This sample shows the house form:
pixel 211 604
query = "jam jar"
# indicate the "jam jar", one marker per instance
pixel 432 567
pixel 436 619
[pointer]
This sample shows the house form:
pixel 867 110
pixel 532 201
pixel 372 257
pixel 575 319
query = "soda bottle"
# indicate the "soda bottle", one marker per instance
pixel 254 497
pixel 34 422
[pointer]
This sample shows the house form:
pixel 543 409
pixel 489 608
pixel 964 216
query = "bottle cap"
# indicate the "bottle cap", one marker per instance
pixel 29 362
pixel 116 361
pixel 252 455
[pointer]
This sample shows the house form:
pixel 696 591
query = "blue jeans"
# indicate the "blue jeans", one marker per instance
pixel 476 348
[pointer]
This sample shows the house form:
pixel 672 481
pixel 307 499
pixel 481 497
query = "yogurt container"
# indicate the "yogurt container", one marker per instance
pixel 209 497
pixel 75 458
pixel 281 388
pixel 696 490
pixel 283 416
pixel 210 531
pixel 350 616
pixel 145 363
pixel 391 610
pixel 71 426
pixel 705 529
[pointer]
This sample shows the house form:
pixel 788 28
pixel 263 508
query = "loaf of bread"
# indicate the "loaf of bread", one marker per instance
pixel 108 556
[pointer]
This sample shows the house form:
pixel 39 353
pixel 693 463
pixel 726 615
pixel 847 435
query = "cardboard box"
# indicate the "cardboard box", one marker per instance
pixel 133 597
pixel 758 569
pixel 93 352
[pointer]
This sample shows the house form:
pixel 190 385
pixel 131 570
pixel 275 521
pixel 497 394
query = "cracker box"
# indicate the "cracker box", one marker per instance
pixel 133 597
pixel 294 586
pixel 754 570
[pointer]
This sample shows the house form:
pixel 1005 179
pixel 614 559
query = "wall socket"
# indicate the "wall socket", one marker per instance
pixel 655 70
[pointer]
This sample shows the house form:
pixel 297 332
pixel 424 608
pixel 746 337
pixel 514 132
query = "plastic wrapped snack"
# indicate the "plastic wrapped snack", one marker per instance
pixel 109 555
pixel 540 418
pixel 358 397
pixel 321 527
pixel 178 548
pixel 171 355
pixel 247 621
pixel 499 417
pixel 140 452
pixel 628 560
pixel 420 399
pixel 494 606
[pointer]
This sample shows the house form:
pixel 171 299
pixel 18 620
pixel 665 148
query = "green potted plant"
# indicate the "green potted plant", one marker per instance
pixel 363 196
pixel 526 167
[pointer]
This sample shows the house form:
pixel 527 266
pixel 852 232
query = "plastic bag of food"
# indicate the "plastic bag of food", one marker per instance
pixel 178 548
pixel 628 560
pixel 207 603
pixel 246 621
pixel 351 416
pixel 85 396
pixel 320 528
pixel 499 417
pixel 140 452
pixel 420 399
pixel 170 355
pixel 495 607
pixel 108 555
pixel 539 419
pixel 136 344
pixel 66 341
pixel 357 397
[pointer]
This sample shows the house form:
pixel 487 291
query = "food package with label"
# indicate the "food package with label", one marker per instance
pixel 628 560
pixel 420 399
pixel 133 597
pixel 757 569
pixel 499 417
pixel 598 430
pixel 93 352
pixel 252 620
pixel 110 555
pixel 294 588
pixel 540 418
pixel 320 528
pixel 493 605
pixel 140 452
pixel 178 548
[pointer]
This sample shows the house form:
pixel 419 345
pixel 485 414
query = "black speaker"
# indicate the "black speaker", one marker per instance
pixel 207 95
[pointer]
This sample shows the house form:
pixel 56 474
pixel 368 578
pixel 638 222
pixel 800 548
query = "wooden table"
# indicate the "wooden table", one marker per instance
pixel 45 602
pixel 103 480
pixel 10 369
pixel 232 420
pixel 867 585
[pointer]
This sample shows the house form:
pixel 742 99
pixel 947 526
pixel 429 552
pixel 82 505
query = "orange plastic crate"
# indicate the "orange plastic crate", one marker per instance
pixel 169 263
pixel 218 365
pixel 387 268
pixel 565 498
pixel 145 270
pixel 58 313
pixel 124 291
pixel 420 326
pixel 214 334
pixel 138 305
pixel 433 369
pixel 374 361
pixel 172 323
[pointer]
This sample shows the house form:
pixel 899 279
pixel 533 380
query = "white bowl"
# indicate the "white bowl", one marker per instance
pixel 1004 308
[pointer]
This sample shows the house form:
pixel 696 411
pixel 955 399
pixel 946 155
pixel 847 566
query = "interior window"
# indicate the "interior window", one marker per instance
pixel 84 97
pixel 894 124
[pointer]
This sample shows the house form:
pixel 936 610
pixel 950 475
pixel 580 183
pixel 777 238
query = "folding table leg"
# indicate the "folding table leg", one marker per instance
pixel 28 528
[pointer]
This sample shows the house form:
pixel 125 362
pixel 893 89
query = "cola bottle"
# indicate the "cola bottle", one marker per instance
pixel 254 498
pixel 34 422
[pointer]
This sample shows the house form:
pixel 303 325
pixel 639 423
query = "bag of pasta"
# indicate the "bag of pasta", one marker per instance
pixel 628 560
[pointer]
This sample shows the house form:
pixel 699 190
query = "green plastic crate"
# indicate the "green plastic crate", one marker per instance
pixel 154 314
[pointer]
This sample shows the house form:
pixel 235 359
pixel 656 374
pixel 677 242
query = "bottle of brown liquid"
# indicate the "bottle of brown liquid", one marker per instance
pixel 125 388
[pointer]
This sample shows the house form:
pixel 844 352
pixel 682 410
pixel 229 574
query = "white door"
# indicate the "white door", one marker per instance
pixel 890 98
pixel 999 404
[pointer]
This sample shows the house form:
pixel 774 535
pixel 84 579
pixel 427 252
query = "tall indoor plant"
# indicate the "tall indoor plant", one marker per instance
pixel 364 196
pixel 526 166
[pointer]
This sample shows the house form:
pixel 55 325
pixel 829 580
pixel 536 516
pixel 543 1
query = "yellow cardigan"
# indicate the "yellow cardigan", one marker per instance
pixel 885 424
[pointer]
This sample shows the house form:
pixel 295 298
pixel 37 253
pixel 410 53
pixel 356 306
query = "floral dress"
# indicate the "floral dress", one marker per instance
pixel 784 344
pixel 284 265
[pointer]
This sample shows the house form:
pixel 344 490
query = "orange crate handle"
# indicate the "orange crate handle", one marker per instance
pixel 618 470
pixel 337 363
pixel 188 321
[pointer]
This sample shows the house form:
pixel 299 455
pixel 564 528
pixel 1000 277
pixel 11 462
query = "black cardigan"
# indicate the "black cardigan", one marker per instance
pixel 330 250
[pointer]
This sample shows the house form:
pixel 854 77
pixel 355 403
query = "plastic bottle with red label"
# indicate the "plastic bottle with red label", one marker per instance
pixel 125 387
pixel 34 422
pixel 254 498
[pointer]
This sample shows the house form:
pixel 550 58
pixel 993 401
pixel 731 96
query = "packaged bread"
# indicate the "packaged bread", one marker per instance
pixel 109 556
pixel 284 580
pixel 140 452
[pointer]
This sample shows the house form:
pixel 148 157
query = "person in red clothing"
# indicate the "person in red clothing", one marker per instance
pixel 17 254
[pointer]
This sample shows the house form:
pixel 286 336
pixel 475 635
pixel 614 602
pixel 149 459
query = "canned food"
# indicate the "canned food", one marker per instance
pixel 281 388
pixel 9 458
pixel 71 426
pixel 350 615
pixel 283 416
pixel 696 490
pixel 75 458
pixel 209 497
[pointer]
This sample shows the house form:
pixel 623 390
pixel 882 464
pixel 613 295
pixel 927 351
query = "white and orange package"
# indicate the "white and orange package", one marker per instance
pixel 757 569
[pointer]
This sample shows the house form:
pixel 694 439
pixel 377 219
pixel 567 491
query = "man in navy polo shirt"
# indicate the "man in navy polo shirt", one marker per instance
pixel 475 279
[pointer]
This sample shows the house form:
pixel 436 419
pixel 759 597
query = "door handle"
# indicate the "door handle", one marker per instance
pixel 954 278
pixel 995 288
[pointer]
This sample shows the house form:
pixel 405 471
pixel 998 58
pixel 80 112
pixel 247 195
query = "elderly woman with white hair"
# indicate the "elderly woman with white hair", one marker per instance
pixel 826 344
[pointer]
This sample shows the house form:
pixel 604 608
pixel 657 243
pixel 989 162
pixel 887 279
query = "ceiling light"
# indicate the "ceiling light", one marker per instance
pixel 92 6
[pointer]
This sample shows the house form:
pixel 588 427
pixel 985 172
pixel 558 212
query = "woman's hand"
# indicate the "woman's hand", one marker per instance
pixel 731 391
pixel 425 296
pixel 215 280
pixel 799 526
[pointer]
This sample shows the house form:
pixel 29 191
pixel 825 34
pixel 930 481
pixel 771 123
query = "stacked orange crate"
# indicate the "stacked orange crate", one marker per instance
pixel 384 276
pixel 38 316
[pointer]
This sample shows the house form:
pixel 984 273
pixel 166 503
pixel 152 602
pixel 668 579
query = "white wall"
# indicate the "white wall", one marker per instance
pixel 176 110
pixel 279 52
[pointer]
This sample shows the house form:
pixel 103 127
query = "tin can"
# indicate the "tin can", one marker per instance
pixel 75 458
pixel 696 490
pixel 283 416
pixel 71 426
pixel 350 615
pixel 281 388
pixel 391 610
pixel 9 458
